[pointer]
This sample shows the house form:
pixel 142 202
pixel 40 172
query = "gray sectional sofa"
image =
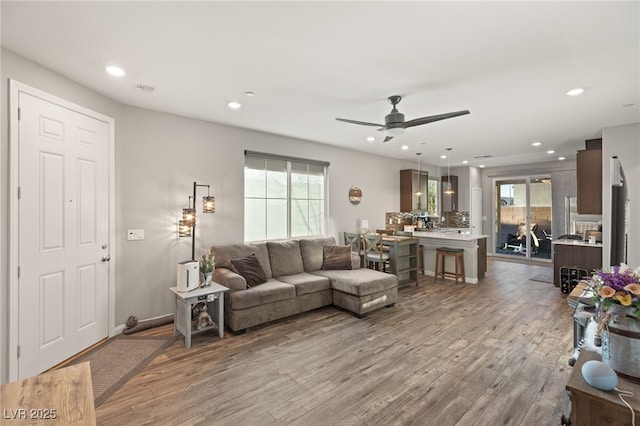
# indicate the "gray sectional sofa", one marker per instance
pixel 295 281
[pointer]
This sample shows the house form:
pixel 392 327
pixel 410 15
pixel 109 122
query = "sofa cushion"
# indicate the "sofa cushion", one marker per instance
pixel 250 269
pixel 269 292
pixel 224 253
pixel 359 282
pixel 285 257
pixel 336 257
pixel 306 283
pixel 311 251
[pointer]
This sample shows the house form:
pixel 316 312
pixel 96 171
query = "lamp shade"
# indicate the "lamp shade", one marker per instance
pixel 364 226
pixel 208 204
pixel 184 229
pixel 189 216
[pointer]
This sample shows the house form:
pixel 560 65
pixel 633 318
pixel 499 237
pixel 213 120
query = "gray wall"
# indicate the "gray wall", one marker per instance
pixel 157 158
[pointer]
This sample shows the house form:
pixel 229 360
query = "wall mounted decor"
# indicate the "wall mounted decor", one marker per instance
pixel 355 195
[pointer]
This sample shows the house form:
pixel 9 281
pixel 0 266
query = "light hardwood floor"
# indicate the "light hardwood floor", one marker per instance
pixel 486 354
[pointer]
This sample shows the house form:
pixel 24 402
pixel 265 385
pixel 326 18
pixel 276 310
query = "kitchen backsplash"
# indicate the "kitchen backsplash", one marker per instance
pixel 456 219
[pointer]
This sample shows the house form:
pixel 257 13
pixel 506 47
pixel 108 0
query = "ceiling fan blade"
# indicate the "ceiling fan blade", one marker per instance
pixel 432 118
pixel 388 138
pixel 362 123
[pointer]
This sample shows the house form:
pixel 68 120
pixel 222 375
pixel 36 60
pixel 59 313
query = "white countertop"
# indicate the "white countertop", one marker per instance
pixel 448 235
pixel 568 242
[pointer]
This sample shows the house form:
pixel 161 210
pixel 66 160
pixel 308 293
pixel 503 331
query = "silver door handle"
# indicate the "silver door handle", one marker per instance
pixel 106 258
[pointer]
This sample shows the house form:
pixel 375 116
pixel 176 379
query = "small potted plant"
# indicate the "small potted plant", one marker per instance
pixel 207 266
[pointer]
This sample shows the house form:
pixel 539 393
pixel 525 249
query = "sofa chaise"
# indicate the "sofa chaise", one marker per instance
pixel 276 279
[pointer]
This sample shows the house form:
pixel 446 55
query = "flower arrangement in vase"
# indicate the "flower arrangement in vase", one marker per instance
pixel 207 265
pixel 617 290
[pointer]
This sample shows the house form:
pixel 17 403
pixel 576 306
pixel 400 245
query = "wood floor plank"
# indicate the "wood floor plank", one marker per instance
pixel 491 353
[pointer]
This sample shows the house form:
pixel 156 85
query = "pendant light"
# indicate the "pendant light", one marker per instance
pixel 449 189
pixel 418 191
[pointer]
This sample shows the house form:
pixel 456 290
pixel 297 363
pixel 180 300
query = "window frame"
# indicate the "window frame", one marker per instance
pixel 323 223
pixel 436 180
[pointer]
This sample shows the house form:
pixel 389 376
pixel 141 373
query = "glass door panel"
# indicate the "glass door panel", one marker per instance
pixel 540 216
pixel 511 214
pixel 523 217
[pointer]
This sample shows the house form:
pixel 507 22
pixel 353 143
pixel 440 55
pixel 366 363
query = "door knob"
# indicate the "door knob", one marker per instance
pixel 106 258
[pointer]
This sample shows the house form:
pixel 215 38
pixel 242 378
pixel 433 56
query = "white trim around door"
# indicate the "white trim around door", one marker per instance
pixel 15 89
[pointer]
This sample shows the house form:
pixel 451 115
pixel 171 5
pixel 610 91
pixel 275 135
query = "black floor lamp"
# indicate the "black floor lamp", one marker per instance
pixel 187 226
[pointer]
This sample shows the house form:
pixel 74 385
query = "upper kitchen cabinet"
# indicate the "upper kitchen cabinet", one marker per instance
pixel 589 170
pixel 413 190
pixel 449 200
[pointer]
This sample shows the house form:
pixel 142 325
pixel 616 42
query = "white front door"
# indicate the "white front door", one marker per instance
pixel 63 235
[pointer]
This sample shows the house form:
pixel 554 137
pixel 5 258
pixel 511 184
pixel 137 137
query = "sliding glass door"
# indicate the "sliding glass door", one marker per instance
pixel 523 217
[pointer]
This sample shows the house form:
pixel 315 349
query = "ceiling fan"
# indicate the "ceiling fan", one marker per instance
pixel 394 123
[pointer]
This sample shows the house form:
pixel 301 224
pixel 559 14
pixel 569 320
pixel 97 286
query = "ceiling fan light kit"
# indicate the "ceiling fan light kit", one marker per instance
pixel 395 124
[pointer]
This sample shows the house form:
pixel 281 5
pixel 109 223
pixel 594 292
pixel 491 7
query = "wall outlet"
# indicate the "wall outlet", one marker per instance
pixel 135 234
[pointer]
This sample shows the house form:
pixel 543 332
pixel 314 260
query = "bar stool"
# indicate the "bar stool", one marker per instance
pixel 458 254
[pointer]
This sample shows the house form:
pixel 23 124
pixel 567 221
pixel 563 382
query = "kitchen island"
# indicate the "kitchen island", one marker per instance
pixel 474 246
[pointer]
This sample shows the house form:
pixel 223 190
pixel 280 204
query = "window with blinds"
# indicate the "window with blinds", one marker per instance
pixel 284 197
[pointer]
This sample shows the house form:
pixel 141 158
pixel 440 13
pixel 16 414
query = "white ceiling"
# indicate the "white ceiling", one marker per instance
pixel 509 63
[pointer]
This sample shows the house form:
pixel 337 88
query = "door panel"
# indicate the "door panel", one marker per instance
pixel 51 201
pixel 63 226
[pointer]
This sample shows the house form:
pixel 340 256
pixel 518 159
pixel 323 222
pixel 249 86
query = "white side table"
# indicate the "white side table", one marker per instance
pixel 184 304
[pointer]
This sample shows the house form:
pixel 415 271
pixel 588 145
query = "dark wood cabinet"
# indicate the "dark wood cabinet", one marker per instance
pixel 410 181
pixel 449 202
pixel 583 256
pixel 589 169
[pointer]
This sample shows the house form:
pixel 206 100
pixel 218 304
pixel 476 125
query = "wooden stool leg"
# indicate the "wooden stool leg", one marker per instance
pixel 455 261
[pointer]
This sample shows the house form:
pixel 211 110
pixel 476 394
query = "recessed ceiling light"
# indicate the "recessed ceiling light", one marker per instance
pixel 465 162
pixel 234 105
pixel 404 147
pixel 575 92
pixel 551 151
pixel 481 166
pixel 249 93
pixel 371 139
pixel 443 156
pixel 114 70
pixel 562 158
pixel 536 143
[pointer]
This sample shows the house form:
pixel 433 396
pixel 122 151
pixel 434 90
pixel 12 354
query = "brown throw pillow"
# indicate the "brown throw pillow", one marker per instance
pixel 336 257
pixel 249 267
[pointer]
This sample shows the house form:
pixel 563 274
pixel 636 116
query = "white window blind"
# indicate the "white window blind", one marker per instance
pixel 284 197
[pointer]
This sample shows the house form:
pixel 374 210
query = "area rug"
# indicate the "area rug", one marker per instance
pixel 545 277
pixel 118 360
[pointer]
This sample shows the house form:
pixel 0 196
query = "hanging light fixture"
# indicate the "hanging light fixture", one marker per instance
pixel 449 189
pixel 419 191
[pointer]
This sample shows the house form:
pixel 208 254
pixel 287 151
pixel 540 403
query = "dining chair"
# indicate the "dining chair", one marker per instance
pixel 355 241
pixel 375 256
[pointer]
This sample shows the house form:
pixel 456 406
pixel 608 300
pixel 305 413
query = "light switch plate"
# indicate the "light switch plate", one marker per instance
pixel 135 234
